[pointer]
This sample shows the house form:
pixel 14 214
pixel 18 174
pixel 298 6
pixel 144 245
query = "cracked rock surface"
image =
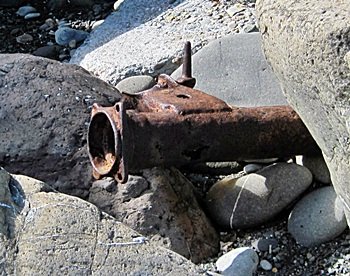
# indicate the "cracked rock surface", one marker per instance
pixel 43 232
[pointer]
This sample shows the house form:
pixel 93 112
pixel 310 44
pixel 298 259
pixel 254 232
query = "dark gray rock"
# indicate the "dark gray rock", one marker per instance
pixel 161 205
pixel 264 245
pixel 50 51
pixel 234 69
pixel 256 198
pixel 44 115
pixel 308 44
pixel 239 262
pixel 64 35
pixel 135 84
pixel 318 168
pixel 317 218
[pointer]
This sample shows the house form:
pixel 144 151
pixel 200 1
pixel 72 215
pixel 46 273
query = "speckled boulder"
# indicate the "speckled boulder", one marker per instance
pixel 308 45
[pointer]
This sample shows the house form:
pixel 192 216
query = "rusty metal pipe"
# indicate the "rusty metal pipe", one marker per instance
pixel 174 125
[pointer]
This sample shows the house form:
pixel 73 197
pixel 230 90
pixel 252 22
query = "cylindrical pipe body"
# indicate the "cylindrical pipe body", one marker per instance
pixel 244 133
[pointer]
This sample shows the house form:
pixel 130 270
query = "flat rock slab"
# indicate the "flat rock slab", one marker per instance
pixel 147 37
pixel 235 70
pixel 162 206
pixel 44 113
pixel 49 233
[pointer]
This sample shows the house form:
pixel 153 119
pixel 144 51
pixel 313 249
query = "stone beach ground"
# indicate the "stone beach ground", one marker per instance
pixel 278 252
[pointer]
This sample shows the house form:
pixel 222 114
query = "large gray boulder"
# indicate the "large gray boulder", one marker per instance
pixel 44 114
pixel 308 45
pixel 43 232
pixel 235 70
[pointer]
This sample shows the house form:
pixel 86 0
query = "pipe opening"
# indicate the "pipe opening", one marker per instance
pixel 102 143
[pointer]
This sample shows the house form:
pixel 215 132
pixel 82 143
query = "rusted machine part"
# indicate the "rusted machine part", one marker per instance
pixel 173 125
pixel 186 77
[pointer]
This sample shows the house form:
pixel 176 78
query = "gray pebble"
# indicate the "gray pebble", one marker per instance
pixel 318 168
pixel 135 84
pixel 32 15
pixel 23 11
pixel 64 35
pixel 239 262
pixel 265 265
pixel 25 38
pixel 317 218
pixel 251 168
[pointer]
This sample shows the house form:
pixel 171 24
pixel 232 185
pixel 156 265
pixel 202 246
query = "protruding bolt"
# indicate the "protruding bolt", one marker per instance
pixel 186 77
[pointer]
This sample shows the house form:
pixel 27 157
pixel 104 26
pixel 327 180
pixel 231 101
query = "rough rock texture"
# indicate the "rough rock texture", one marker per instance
pixel 308 44
pixel 49 233
pixel 44 113
pixel 256 198
pixel 162 206
pixel 317 218
pixel 234 69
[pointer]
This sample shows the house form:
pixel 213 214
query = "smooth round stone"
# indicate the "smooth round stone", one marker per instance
pixel 317 218
pixel 65 34
pixel 265 265
pixel 23 11
pixel 32 15
pixel 256 198
pixel 318 168
pixel 135 84
pixel 240 262
pixel 251 168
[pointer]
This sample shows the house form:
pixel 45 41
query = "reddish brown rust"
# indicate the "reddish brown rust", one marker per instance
pixel 173 125
pixel 186 77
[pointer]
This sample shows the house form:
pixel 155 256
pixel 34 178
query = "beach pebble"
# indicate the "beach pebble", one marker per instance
pixel 24 10
pixel 251 168
pixel 32 15
pixel 257 197
pixel 25 38
pixel 317 218
pixel 265 265
pixel 64 35
pixel 239 262
pixel 135 84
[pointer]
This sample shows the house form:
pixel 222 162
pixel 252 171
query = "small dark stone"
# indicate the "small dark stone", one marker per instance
pixel 51 51
pixel 263 245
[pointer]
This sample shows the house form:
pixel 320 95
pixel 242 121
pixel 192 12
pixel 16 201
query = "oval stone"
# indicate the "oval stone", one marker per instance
pixel 256 198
